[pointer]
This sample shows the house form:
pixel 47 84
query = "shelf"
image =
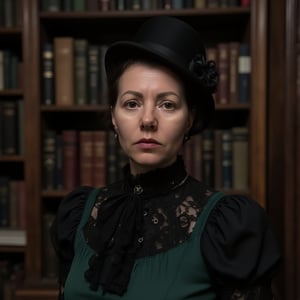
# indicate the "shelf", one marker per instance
pixel 238 106
pixel 11 93
pixel 105 108
pixel 12 158
pixel 12 249
pixel 4 31
pixel 75 108
pixel 146 13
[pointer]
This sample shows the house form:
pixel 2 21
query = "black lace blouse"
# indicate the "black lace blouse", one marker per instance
pixel 154 212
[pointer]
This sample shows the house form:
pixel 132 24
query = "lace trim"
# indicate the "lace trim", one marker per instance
pixel 168 220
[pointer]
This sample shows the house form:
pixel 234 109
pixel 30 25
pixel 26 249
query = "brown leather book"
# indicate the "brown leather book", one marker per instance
pixel 64 70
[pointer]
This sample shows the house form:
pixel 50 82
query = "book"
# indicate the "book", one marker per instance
pixel 9 127
pixel 103 80
pixel 208 156
pixel 93 74
pixel 233 3
pixel 13 204
pixel 233 71
pixel 20 126
pixel 12 237
pixel 1 70
pixel 223 3
pixel 245 3
pixel 226 159
pixel 86 157
pixel 1 13
pixel 218 178
pixel 99 158
pixel 4 201
pixel 244 73
pixel 48 74
pixel 223 66
pixel 92 5
pixel 240 158
pixel 212 3
pixel 80 71
pixel 67 5
pixel 64 70
pixel 51 5
pixel 22 205
pixel 59 183
pixel 79 5
pixel 70 158
pixel 105 5
pixel 49 159
pixel 9 13
pixel 199 3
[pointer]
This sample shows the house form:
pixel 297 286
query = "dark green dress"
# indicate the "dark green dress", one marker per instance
pixel 161 235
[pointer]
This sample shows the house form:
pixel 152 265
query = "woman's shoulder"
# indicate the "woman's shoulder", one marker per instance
pixel 238 241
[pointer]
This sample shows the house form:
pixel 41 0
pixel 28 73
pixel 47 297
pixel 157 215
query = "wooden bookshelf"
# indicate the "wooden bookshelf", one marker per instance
pixel 242 24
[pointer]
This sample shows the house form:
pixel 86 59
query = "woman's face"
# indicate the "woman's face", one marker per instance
pixel 151 116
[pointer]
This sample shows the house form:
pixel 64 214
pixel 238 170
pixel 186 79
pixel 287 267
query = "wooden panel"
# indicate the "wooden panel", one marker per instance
pixel 258 90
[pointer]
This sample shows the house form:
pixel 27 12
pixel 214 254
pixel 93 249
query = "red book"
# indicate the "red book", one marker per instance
pixel 86 157
pixel 70 158
pixel 233 71
pixel 245 3
pixel 99 158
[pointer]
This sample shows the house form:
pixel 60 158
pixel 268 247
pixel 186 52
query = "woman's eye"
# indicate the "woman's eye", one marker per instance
pixel 168 105
pixel 131 104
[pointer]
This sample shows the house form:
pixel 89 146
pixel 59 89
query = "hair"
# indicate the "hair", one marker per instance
pixel 200 109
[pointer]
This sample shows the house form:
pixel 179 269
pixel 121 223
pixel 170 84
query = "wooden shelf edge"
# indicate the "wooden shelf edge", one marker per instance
pixel 145 13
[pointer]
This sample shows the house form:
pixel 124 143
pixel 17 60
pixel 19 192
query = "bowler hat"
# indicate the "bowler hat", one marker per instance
pixel 175 44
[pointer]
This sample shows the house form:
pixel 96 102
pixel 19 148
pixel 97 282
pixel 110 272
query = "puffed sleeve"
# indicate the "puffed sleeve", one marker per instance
pixel 238 243
pixel 63 229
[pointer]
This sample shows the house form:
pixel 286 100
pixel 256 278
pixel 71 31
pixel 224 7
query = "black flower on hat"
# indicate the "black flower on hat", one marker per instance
pixel 206 71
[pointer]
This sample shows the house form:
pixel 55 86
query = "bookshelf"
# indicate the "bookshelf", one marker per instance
pixel 243 24
pixel 12 150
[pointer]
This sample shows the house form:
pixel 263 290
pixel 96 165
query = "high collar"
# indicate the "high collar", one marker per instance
pixel 160 180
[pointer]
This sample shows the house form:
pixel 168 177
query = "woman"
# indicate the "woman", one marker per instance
pixel 159 233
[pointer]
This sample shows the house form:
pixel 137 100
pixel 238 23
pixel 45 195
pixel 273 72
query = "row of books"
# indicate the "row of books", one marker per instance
pixel 10 13
pixel 12 203
pixel 233 61
pixel 219 157
pixel 10 70
pixel 72 158
pixel 119 5
pixel 73 72
pixel 11 127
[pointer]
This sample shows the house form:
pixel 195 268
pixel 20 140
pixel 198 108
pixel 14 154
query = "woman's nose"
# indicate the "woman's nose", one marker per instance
pixel 148 119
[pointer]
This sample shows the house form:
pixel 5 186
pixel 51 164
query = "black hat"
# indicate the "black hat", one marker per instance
pixel 175 44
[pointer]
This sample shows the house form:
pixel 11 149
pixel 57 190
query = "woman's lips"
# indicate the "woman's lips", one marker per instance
pixel 148 144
